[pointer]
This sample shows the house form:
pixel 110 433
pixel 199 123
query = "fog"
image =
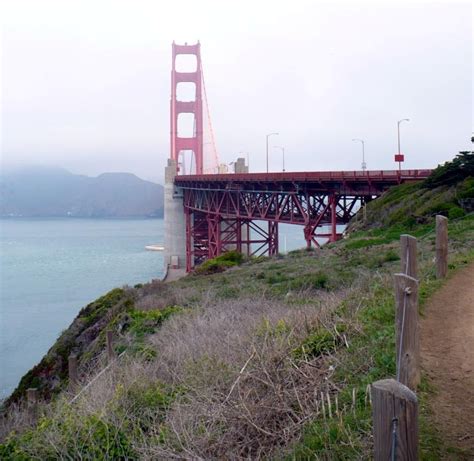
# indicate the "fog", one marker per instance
pixel 86 84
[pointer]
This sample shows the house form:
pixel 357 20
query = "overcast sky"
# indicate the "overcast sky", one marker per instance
pixel 86 84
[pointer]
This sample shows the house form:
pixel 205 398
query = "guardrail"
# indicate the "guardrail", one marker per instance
pixel 373 175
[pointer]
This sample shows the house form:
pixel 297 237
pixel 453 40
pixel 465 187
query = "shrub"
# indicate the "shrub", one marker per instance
pixel 72 437
pixel 316 281
pixel 456 212
pixel 462 166
pixel 466 189
pixel 146 322
pixel 319 342
pixel 220 263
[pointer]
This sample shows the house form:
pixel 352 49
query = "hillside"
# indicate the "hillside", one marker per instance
pixel 267 358
pixel 48 192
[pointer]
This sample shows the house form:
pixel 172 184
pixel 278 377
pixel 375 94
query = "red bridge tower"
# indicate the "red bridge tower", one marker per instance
pixel 194 143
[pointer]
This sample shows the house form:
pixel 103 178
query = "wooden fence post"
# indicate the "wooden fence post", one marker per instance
pixel 73 381
pixel 407 330
pixel 395 421
pixel 408 255
pixel 441 246
pixel 110 346
pixel 32 395
pixel 32 399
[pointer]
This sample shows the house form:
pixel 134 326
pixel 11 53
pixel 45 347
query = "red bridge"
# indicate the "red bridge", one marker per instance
pixel 224 211
pixel 242 211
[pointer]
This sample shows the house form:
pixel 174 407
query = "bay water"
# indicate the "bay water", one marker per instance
pixel 51 268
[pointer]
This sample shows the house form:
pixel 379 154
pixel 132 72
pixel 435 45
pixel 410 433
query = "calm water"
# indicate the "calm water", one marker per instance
pixel 50 268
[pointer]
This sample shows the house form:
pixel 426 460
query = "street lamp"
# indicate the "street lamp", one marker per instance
pixel 283 154
pixel 364 165
pixel 400 157
pixel 268 135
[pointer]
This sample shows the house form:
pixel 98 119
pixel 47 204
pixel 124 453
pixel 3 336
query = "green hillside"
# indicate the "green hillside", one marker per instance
pixel 258 359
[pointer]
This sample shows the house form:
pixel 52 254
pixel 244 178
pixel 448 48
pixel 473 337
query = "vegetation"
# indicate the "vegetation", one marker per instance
pixel 220 263
pixel 453 172
pixel 271 359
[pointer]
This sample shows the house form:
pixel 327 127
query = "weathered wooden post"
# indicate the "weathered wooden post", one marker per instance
pixel 32 399
pixel 408 255
pixel 441 246
pixel 395 421
pixel 110 346
pixel 73 381
pixel 32 395
pixel 407 330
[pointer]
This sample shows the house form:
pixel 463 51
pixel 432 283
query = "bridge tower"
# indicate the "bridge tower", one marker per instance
pixel 194 143
pixel 175 223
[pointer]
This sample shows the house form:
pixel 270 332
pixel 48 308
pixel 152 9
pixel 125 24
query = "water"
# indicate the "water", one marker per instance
pixel 51 268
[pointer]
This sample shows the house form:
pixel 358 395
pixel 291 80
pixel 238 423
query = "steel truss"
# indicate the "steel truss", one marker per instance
pixel 218 220
pixel 226 211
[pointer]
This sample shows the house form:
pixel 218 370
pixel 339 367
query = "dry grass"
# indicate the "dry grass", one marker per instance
pixel 231 383
pixel 246 394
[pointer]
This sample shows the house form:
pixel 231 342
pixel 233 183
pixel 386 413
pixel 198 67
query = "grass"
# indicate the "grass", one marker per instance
pixel 270 359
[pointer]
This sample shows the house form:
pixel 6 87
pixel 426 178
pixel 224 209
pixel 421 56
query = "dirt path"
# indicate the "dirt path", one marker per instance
pixel 447 351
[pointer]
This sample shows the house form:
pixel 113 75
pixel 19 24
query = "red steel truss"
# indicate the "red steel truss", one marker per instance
pixel 229 211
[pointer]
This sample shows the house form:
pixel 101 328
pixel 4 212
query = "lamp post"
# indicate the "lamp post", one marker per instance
pixel 268 135
pixel 364 165
pixel 400 157
pixel 283 155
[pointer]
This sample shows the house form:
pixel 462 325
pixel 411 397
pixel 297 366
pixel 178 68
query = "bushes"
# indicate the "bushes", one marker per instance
pixel 146 322
pixel 466 189
pixel 220 263
pixel 453 172
pixel 316 281
pixel 317 343
pixel 69 437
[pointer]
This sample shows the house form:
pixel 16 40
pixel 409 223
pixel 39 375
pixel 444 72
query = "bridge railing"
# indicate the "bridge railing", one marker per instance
pixel 380 175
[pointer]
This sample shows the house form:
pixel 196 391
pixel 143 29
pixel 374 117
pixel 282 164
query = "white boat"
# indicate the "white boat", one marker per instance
pixel 155 247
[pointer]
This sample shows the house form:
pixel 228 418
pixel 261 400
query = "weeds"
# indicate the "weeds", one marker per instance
pixel 271 359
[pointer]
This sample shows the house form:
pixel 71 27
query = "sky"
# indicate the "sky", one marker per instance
pixel 85 85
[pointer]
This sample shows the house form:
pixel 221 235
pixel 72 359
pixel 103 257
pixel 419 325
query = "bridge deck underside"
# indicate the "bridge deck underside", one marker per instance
pixel 226 212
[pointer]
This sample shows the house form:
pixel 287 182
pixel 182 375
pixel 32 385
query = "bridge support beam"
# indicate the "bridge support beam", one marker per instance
pixel 175 226
pixel 272 238
pixel 208 235
pixel 333 205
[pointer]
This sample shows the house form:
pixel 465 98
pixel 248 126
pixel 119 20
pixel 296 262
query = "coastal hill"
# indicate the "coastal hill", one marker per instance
pixel 263 358
pixel 55 192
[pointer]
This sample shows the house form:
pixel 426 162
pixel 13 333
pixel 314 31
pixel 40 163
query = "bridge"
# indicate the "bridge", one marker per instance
pixel 212 211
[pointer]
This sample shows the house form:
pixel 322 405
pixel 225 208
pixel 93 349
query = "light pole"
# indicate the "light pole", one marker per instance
pixel 364 165
pixel 268 135
pixel 283 155
pixel 400 155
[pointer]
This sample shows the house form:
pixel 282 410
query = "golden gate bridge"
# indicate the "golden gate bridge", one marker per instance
pixel 209 212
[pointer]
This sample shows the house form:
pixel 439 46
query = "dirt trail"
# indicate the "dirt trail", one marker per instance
pixel 447 351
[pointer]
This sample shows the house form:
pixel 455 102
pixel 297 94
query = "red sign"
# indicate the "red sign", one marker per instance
pixel 399 158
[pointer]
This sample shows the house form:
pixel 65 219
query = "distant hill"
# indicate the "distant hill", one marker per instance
pixel 48 192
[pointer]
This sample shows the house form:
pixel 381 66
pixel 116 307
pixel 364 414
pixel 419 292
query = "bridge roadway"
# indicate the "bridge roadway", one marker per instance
pixel 226 211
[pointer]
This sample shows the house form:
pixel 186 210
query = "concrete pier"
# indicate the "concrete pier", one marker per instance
pixel 175 223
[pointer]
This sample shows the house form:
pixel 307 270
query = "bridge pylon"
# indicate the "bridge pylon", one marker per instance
pixel 193 143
